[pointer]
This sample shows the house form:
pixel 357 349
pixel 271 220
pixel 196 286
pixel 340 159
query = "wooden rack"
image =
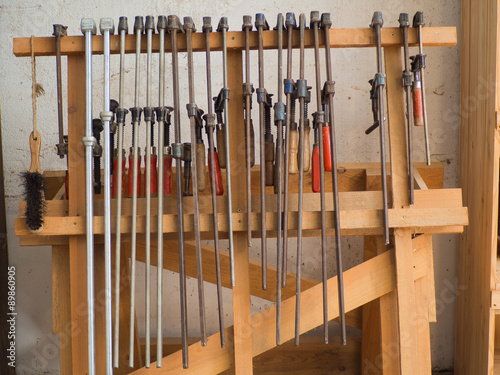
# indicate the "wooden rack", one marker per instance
pixel 397 285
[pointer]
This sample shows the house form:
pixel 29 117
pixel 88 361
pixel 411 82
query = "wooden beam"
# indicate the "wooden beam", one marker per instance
pixel 339 38
pixel 363 283
pixel 354 222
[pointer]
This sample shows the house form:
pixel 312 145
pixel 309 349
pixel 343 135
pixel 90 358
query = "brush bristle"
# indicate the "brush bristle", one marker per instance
pixel 34 195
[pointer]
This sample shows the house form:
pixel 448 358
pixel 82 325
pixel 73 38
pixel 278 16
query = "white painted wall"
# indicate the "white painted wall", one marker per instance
pixel 37 349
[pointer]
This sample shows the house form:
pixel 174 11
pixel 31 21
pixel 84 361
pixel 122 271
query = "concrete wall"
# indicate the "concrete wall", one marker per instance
pixel 37 347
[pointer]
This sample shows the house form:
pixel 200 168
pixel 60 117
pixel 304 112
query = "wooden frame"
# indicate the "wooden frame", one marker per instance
pixel 435 211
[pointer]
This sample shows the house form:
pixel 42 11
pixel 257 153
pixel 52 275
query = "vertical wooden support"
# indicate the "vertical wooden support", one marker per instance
pixel 77 247
pixel 61 313
pixel 241 291
pixel 400 198
pixel 479 171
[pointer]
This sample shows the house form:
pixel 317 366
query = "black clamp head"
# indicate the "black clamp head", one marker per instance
pixel 247 23
pixel 60 30
pixel 223 24
pixel 417 62
pixel 319 118
pixel 315 20
pixel 261 22
pixel 148 114
pixel 189 24
pixel 136 114
pixel 174 24
pixel 192 109
pixel 407 78
pixel 377 20
pixel 290 21
pixel 279 112
pixel 121 113
pixel 209 121
pixel 150 23
pixel 113 105
pixel 97 126
pixel 418 19
pixel 123 25
pixel 160 113
pixel 326 21
pixel 207 24
pixel 262 95
pixel 186 152
pixel 328 89
pixel 139 25
pixel 404 20
pixel 162 23
pixel 301 88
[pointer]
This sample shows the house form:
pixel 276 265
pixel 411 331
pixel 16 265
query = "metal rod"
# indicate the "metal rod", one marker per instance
pixel 107 27
pixel 377 23
pixel 279 116
pixel 418 22
pixel 174 26
pixel 88 28
pixel 223 26
pixel 120 120
pixel 330 91
pixel 136 115
pixel 320 119
pixel 404 23
pixel 148 117
pixel 210 125
pixel 261 24
pixel 192 108
pixel 160 117
pixel 247 92
pixel 62 146
pixel 302 84
pixel 289 87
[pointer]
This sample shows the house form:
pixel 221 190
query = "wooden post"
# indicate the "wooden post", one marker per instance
pixel 77 244
pixel 241 291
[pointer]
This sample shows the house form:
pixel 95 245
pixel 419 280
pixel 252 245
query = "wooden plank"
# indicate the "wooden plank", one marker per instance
pixel 423 337
pixel 243 332
pixel 431 293
pixel 364 283
pixel 352 177
pixel 77 244
pixel 443 198
pixel 61 312
pixel 339 38
pixel 479 159
pixel 354 222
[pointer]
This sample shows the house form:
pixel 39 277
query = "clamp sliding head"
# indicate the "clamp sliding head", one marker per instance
pixel 260 21
pixel 223 24
pixel 290 21
pixel 107 25
pixel 207 24
pixel 189 24
pixel 326 21
pixel 247 23
pixel 123 25
pixel 88 25
pixel 404 20
pixel 60 30
pixel 139 25
pixel 315 20
pixel 162 23
pixel 418 19
pixel 377 20
pixel 150 24
pixel 174 24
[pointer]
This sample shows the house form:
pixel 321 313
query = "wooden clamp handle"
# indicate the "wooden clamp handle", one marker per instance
pixel 200 166
pixel 307 149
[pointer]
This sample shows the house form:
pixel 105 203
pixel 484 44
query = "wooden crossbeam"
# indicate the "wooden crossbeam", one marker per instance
pixel 363 283
pixel 339 38
pixel 354 222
